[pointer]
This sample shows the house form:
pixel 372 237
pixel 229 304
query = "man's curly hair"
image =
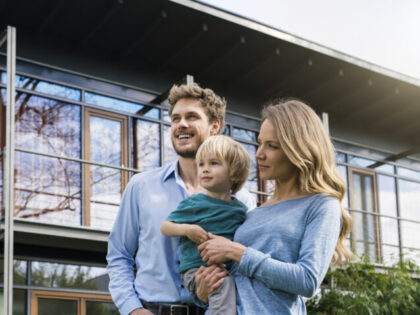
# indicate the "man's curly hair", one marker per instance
pixel 214 105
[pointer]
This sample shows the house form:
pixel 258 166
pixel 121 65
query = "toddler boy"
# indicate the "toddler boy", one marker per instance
pixel 223 167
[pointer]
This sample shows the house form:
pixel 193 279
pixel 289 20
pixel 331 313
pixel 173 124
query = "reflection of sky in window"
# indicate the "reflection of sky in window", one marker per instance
pixel 409 199
pixel 408 173
pixel 342 170
pixel 169 154
pixel 244 134
pixel 105 140
pixel 148 145
pixel 45 87
pixel 165 115
pixel 121 105
pixel 252 178
pixel 363 162
pixel 386 195
pixel 341 157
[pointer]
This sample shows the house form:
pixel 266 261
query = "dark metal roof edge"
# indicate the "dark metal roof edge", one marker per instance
pixel 271 31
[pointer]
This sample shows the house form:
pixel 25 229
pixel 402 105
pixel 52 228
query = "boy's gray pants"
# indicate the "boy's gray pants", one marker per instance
pixel 222 301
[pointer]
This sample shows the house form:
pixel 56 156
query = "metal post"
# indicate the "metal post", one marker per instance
pixel 189 79
pixel 9 172
pixel 326 123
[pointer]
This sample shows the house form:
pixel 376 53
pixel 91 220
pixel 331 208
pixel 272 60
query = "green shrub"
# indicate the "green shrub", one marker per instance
pixel 361 288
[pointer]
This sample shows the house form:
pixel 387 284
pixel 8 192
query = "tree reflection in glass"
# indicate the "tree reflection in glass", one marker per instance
pixel 147 145
pixel 47 126
pixel 54 275
pixel 105 140
pixel 169 154
pixel 47 189
pixel 252 183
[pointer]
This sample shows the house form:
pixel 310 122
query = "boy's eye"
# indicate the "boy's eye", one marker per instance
pixel 200 164
pixel 214 163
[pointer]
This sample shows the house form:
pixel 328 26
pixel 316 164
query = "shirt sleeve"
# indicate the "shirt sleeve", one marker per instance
pixel 122 246
pixel 184 213
pixel 246 198
pixel 317 247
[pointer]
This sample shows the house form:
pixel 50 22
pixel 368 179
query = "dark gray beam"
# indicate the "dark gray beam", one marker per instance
pixel 323 85
pixel 188 79
pixel 54 9
pixel 3 37
pixel 395 157
pixel 238 43
pixel 145 33
pixel 103 18
pixel 191 40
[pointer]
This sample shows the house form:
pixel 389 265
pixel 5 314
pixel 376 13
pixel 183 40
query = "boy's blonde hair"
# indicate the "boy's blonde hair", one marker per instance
pixel 232 153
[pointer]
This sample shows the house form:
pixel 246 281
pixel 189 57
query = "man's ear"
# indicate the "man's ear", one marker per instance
pixel 215 126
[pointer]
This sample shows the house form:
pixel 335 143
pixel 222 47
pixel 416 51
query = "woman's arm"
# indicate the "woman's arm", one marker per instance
pixel 219 249
pixel 194 232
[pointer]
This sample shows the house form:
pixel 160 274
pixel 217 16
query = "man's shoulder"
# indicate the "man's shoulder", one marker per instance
pixel 151 175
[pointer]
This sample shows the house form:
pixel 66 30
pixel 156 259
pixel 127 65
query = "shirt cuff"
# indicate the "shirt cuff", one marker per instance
pixel 250 261
pixel 130 305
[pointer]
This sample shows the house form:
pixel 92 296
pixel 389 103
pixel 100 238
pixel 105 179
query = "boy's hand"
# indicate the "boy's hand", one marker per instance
pixel 196 233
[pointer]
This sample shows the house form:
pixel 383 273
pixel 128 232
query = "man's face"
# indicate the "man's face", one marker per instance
pixel 190 127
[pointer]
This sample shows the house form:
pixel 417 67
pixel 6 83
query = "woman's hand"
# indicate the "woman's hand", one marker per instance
pixel 209 279
pixel 219 249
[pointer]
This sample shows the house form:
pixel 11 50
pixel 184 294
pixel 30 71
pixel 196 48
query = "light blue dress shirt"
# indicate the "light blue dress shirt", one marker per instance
pixel 136 239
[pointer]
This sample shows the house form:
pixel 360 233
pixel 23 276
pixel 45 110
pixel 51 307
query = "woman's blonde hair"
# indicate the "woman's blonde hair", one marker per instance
pixel 232 153
pixel 304 141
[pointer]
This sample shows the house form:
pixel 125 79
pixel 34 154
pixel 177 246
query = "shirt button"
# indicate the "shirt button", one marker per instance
pixel 182 286
pixel 178 262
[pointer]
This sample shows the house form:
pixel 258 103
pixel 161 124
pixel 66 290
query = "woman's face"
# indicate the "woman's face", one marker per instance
pixel 272 162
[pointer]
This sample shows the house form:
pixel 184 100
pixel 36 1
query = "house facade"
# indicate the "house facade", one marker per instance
pixel 90 111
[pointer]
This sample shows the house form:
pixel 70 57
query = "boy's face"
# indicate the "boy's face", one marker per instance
pixel 190 126
pixel 214 175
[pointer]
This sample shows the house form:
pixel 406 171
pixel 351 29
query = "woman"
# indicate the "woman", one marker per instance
pixel 284 248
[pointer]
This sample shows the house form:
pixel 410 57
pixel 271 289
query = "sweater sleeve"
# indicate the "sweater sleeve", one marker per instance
pixel 317 247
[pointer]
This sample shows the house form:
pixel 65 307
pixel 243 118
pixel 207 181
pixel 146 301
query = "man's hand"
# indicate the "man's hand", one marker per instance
pixel 196 233
pixel 141 311
pixel 209 279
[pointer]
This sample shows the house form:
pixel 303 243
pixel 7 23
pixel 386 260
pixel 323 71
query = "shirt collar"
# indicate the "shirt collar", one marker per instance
pixel 172 170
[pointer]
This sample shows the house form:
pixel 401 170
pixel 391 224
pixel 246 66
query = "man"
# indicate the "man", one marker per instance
pixel 148 199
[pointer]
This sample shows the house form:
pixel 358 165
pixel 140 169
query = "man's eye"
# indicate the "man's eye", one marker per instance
pixel 175 119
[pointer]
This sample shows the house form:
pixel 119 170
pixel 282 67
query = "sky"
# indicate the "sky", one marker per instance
pixel 383 32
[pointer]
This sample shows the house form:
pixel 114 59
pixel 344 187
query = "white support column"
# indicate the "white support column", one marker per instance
pixel 326 123
pixel 189 79
pixel 8 191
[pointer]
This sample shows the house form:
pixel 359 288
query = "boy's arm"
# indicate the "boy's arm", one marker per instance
pixel 193 231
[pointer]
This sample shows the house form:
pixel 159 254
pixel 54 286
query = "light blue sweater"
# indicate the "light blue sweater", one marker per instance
pixel 289 249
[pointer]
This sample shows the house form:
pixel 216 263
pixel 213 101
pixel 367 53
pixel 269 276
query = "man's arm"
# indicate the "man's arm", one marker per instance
pixel 193 231
pixel 122 246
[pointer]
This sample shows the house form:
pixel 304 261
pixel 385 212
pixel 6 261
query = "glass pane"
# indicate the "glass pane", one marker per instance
pixel 47 189
pixel 47 126
pixel 410 234
pixel 387 168
pixel 408 173
pixel 55 306
pixel 101 308
pixel 367 250
pixel 387 195
pixel 105 140
pixel 252 183
pixel 411 254
pixel 244 134
pixel 358 161
pixel 45 87
pixel 19 302
pixel 169 154
pixel 390 255
pixel 55 275
pixel 340 157
pixel 270 186
pixel 342 170
pixel 121 105
pixel 147 149
pixel 226 130
pixel 389 231
pixel 409 193
pixel 19 271
pixel 165 115
pixel 105 196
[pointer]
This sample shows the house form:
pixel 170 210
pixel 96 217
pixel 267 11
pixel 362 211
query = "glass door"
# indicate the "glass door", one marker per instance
pixel 365 219
pixel 105 142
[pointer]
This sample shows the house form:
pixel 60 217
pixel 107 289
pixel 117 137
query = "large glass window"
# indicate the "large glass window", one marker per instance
pixel 47 189
pixel 147 145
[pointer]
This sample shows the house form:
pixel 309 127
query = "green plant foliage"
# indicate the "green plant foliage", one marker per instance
pixel 361 288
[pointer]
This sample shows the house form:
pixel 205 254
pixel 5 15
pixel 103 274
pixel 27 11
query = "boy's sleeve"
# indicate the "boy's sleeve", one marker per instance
pixel 184 213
